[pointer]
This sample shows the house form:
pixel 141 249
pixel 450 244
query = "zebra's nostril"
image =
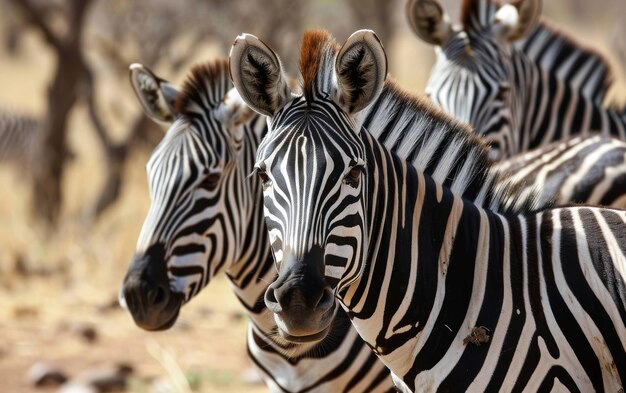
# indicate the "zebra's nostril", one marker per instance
pixel 270 300
pixel 327 299
pixel 160 296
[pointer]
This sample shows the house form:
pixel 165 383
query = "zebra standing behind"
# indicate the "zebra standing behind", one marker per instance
pixel 17 138
pixel 519 94
pixel 206 218
pixel 449 295
pixel 589 170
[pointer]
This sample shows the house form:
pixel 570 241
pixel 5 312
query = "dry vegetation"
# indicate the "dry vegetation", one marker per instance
pixel 52 284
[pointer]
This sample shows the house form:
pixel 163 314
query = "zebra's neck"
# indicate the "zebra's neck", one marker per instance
pixel 437 247
pixel 548 107
pixel 582 68
pixel 253 268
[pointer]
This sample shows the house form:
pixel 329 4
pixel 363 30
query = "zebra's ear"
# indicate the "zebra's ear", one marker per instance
pixel 155 95
pixel 233 111
pixel 514 21
pixel 361 70
pixel 258 75
pixel 429 22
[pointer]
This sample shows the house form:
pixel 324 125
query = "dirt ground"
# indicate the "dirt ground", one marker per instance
pixel 55 286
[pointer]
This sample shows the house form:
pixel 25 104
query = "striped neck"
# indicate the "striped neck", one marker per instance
pixel 548 107
pixel 433 245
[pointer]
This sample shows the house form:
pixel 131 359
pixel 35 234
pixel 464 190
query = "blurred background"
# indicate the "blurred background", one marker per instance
pixel 71 207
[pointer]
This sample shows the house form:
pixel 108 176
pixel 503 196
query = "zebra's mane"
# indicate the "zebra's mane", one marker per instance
pixel 448 150
pixel 205 87
pixel 317 54
pixel 568 48
pixel 433 141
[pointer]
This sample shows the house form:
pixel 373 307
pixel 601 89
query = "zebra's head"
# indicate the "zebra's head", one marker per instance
pixel 312 167
pixel 200 197
pixel 473 74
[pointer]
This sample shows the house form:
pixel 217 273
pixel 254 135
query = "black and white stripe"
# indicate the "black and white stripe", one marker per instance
pixel 17 137
pixel 589 170
pixel 518 95
pixel 207 213
pixel 451 296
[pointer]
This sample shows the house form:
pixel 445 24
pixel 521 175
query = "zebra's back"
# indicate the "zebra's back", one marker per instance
pixel 581 170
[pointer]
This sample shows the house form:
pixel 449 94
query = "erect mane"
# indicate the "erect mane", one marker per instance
pixel 206 86
pixel 567 47
pixel 441 146
pixel 317 51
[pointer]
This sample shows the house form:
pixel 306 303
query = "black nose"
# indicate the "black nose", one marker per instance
pixel 279 298
pixel 147 293
pixel 142 293
pixel 301 285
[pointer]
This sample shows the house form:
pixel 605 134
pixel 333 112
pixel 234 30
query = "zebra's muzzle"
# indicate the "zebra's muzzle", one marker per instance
pixel 147 293
pixel 315 337
pixel 303 303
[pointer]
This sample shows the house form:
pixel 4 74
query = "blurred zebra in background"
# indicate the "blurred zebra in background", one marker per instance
pixel 519 82
pixel 17 137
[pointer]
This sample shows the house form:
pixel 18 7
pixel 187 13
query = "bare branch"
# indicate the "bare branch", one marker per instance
pixel 93 111
pixel 36 18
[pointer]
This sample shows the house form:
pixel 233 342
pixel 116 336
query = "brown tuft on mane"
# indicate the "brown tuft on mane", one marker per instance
pixel 203 76
pixel 311 51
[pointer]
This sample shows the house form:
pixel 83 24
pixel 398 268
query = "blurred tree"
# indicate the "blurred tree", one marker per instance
pixel 61 26
pixel 162 33
pixel 150 32
pixel 376 15
pixel 12 23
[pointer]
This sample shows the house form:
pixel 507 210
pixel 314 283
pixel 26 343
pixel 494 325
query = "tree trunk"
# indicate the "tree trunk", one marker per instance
pixel 117 155
pixel 51 148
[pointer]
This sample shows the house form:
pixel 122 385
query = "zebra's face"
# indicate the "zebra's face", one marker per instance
pixel 199 199
pixel 472 82
pixel 474 71
pixel 313 171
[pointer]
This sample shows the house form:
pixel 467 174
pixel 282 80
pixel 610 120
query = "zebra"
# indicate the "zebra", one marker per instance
pixel 518 81
pixel 451 296
pixel 206 218
pixel 589 170
pixel 18 132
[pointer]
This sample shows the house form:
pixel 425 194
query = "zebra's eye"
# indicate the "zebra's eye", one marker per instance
pixel 353 177
pixel 503 92
pixel 263 176
pixel 212 179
